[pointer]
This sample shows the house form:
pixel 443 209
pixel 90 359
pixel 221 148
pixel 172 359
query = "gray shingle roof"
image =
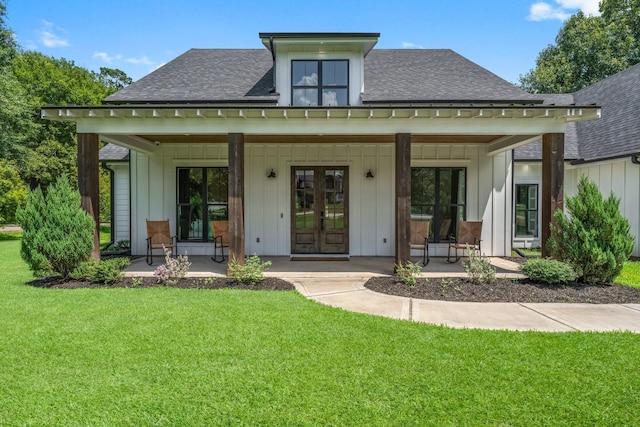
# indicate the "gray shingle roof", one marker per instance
pixel 615 134
pixel 113 152
pixel 246 75
pixel 533 150
pixel 206 75
pixel 618 131
pixel 433 75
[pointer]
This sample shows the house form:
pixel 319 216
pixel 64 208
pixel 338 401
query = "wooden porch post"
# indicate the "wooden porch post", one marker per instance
pixel 236 197
pixel 552 183
pixel 403 198
pixel 88 179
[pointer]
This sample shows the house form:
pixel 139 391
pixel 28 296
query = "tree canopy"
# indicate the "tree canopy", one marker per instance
pixel 588 49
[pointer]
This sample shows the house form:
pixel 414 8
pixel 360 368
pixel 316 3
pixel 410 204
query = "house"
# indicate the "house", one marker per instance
pixel 318 144
pixel 604 150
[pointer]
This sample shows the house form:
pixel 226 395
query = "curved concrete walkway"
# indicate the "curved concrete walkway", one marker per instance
pixel 348 292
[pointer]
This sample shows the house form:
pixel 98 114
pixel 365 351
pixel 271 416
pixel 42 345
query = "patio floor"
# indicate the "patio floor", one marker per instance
pixel 203 266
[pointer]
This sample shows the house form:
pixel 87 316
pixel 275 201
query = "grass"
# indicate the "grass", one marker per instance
pixel 191 357
pixel 105 235
pixel 630 274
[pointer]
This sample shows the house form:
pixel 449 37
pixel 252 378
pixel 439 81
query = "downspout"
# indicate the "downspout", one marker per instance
pixel 111 207
pixel 273 57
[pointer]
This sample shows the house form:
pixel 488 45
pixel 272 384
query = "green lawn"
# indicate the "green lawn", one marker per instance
pixel 192 357
pixel 630 275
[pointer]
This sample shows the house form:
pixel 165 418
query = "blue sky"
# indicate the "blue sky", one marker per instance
pixel 138 36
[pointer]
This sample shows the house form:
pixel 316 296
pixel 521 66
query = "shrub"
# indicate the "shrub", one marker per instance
pixel 173 269
pixel 478 267
pixel 252 271
pixel 13 192
pixel 408 273
pixel 594 238
pixel 57 232
pixel 106 271
pixel 548 270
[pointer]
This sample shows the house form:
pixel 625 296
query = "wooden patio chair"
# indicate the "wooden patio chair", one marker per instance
pixel 159 235
pixel 420 239
pixel 469 236
pixel 220 239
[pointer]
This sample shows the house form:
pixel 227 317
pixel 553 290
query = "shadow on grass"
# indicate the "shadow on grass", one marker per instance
pixel 10 236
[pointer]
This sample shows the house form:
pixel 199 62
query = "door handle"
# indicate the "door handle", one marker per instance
pixel 321 220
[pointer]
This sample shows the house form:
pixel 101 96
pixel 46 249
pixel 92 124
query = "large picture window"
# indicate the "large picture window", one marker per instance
pixel 315 83
pixel 202 198
pixel 438 195
pixel 527 210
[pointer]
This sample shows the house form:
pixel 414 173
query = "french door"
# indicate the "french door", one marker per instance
pixel 319 210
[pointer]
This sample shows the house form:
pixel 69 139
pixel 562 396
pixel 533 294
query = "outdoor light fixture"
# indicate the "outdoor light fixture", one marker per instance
pixel 369 174
pixel 271 174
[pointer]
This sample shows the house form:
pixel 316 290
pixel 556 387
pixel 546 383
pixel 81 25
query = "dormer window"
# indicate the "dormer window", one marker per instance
pixel 322 82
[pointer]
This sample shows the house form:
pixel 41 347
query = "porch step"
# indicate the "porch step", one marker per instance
pixel 319 257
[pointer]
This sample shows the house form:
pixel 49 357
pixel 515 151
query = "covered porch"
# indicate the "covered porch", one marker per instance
pixel 385 142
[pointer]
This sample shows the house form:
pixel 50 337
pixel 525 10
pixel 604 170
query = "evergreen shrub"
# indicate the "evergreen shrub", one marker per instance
pixel 594 237
pixel 548 271
pixel 57 233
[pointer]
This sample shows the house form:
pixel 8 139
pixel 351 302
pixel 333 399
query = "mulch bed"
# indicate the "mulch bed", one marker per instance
pixel 268 284
pixel 505 290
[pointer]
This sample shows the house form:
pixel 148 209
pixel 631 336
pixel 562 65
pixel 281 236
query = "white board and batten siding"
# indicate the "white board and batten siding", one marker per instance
pixel 371 201
pixel 619 176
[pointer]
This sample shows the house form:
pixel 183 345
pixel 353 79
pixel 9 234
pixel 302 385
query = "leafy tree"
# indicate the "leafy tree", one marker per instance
pixel 57 232
pixel 588 49
pixel 13 192
pixel 49 81
pixel 15 123
pixel 594 238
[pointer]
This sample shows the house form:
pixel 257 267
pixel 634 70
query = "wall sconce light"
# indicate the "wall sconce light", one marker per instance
pixel 271 174
pixel 369 174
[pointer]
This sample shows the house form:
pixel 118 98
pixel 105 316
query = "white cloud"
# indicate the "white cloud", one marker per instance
pixel 562 9
pixel 48 38
pixel 143 60
pixel 409 45
pixel 106 57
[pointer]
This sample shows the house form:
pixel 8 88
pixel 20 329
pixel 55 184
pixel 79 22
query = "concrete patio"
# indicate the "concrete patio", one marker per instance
pixel 203 266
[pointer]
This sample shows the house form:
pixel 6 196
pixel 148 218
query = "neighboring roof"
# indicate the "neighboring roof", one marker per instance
pixel 434 76
pixel 615 134
pixel 533 151
pixel 391 76
pixel 206 75
pixel 114 153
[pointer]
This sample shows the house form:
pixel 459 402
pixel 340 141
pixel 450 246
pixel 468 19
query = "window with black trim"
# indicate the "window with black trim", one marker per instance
pixel 202 198
pixel 438 195
pixel 526 210
pixel 320 82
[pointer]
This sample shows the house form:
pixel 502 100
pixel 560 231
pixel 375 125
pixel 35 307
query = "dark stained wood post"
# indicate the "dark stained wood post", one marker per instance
pixel 552 183
pixel 236 197
pixel 88 179
pixel 403 198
